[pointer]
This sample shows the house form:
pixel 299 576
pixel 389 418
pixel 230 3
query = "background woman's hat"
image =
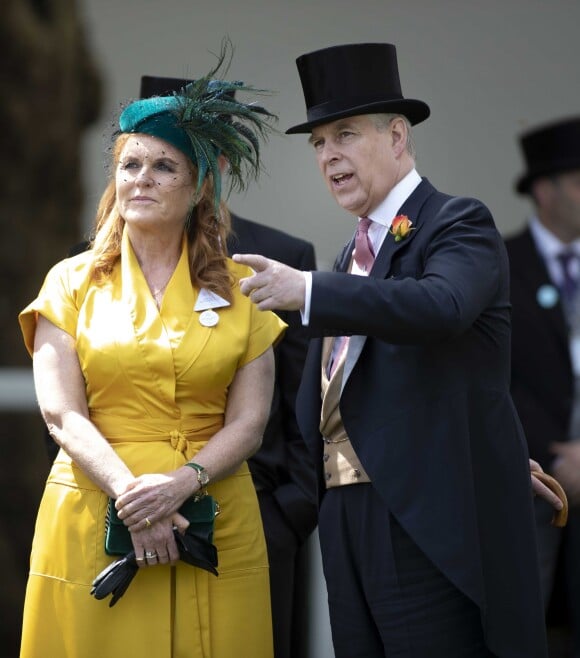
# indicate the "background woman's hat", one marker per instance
pixel 550 149
pixel 155 85
pixel 360 78
pixel 152 85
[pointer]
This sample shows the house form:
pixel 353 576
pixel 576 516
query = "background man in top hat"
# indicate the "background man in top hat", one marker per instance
pixel 545 265
pixel 426 522
pixel 281 469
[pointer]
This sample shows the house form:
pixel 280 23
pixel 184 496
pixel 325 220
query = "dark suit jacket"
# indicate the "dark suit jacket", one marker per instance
pixel 427 407
pixel 283 464
pixel 542 380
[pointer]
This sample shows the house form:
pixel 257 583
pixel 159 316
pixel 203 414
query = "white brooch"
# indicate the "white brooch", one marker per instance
pixel 206 302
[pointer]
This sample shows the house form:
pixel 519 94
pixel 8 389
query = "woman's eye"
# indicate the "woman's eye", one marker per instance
pixel 164 166
pixel 129 165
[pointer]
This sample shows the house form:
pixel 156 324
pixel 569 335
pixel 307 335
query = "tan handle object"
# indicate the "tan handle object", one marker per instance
pixel 560 518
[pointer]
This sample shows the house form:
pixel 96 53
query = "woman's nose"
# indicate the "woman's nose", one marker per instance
pixel 144 176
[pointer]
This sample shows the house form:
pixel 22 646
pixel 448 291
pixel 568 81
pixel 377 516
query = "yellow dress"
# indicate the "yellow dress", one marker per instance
pixel 156 384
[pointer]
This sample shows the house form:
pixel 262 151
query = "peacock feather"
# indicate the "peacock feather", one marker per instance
pixel 218 123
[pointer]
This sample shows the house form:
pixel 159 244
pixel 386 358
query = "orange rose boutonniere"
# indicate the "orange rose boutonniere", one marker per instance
pixel 401 227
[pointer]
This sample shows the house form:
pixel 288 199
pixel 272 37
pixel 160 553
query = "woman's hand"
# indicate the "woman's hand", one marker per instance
pixel 155 545
pixel 153 497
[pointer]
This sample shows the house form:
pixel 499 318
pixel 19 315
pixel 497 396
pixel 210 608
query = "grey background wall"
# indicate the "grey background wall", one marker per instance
pixel 487 69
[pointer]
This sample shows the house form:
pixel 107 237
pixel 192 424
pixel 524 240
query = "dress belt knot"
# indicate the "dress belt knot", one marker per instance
pixel 178 441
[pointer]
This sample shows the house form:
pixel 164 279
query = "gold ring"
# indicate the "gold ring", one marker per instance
pixel 147 522
pixel 150 555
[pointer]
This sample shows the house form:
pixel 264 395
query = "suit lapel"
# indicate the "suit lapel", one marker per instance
pixel 355 345
pixel 382 265
pixel 411 208
pixel 342 262
pixel 535 274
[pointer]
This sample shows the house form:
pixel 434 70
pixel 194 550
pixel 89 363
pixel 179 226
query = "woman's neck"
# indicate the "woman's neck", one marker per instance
pixel 155 251
pixel 158 257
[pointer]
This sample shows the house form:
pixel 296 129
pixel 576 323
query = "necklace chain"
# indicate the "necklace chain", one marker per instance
pixel 157 292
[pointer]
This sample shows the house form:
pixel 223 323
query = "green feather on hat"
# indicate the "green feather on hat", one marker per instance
pixel 205 120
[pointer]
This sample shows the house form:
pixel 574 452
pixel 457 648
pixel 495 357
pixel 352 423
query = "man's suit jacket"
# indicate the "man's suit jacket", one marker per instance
pixel 426 404
pixel 283 464
pixel 542 379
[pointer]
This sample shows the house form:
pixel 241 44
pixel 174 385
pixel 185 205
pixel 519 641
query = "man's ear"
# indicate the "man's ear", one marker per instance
pixel 398 131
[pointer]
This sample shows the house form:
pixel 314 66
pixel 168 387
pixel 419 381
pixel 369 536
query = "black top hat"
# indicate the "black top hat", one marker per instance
pixel 360 78
pixel 550 149
pixel 152 85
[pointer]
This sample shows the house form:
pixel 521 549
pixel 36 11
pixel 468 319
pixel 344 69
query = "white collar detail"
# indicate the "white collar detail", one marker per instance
pixel 208 299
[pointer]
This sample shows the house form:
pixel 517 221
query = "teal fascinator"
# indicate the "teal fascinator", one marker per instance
pixel 204 120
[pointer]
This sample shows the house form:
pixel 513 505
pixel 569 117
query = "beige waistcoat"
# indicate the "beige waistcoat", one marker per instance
pixel 341 464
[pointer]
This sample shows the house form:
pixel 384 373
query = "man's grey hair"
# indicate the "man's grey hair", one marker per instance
pixel 382 122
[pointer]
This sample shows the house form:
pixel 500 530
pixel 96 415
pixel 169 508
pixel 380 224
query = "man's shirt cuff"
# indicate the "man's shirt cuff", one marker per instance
pixel 305 312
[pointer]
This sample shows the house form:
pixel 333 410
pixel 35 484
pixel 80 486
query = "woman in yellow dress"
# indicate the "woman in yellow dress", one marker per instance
pixel 148 360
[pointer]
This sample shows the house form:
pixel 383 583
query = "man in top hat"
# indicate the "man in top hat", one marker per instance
pixel 281 469
pixel 426 521
pixel 545 265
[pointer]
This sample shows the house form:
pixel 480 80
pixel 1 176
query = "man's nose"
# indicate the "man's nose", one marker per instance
pixel 329 153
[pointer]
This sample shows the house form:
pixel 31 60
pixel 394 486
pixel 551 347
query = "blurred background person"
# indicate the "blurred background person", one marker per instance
pixel 545 266
pixel 146 357
pixel 282 469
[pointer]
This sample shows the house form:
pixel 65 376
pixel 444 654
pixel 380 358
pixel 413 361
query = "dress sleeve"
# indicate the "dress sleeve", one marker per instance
pixel 56 301
pixel 266 329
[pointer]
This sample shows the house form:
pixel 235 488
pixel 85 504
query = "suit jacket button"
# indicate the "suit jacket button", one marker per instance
pixel 328 475
pixel 326 457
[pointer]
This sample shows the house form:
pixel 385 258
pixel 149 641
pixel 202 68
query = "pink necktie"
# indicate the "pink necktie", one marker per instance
pixel 364 255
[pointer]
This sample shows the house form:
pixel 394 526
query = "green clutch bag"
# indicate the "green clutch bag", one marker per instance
pixel 200 514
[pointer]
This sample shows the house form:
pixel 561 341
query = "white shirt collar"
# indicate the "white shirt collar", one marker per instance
pixel 547 243
pixel 385 212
